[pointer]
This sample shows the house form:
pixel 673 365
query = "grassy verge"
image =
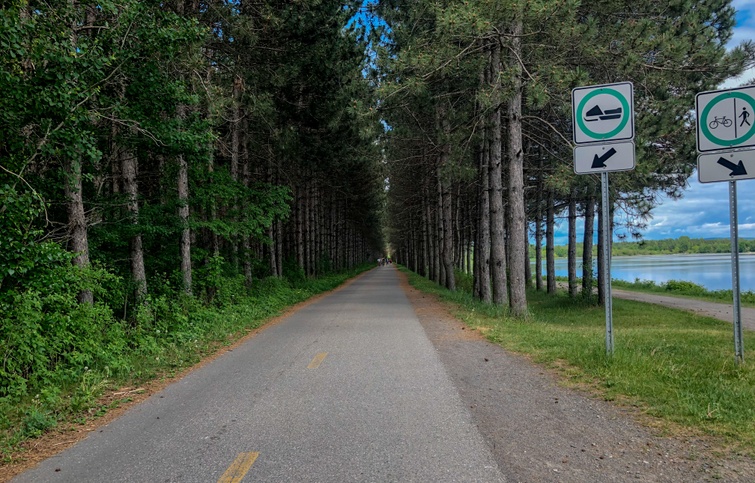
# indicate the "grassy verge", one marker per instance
pixel 171 336
pixel 672 365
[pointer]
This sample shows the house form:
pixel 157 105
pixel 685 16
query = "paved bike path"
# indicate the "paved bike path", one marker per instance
pixel 347 389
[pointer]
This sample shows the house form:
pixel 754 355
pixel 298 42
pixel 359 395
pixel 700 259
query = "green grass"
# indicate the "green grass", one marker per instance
pixel 674 366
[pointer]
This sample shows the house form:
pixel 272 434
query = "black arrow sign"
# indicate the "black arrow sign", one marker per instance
pixel 736 169
pixel 600 161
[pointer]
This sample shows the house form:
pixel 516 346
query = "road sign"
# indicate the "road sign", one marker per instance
pixel 725 119
pixel 603 113
pixel 730 166
pixel 604 158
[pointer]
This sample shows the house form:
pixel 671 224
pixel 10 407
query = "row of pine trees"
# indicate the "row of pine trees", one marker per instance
pixel 476 95
pixel 173 142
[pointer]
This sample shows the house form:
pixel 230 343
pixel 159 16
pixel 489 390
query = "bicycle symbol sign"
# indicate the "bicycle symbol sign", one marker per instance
pixel 725 119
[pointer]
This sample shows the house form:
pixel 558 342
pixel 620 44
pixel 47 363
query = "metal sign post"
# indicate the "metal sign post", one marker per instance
pixel 739 349
pixel 603 119
pixel 606 262
pixel 726 131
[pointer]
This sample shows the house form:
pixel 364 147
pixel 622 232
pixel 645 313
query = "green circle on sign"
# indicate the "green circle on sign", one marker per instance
pixel 610 134
pixel 704 116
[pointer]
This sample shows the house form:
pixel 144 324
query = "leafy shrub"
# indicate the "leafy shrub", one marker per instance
pixel 684 287
pixel 48 338
pixel 292 271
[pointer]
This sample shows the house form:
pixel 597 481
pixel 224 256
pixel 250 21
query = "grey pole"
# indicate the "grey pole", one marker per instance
pixel 739 350
pixel 606 262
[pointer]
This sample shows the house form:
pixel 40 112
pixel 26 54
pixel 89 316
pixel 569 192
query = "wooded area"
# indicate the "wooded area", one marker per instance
pixel 477 98
pixel 162 157
pixel 154 150
pixel 170 142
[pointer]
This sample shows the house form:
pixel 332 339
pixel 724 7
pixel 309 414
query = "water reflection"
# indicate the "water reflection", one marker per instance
pixel 712 271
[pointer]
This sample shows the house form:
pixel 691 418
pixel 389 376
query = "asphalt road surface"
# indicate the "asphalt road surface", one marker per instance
pixel 348 389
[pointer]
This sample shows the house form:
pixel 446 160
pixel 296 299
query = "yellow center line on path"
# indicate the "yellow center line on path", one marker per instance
pixel 317 360
pixel 238 469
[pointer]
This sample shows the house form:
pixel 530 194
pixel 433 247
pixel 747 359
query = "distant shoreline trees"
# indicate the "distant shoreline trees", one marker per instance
pixel 670 246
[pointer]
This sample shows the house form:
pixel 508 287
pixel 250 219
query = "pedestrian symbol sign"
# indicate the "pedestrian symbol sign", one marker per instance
pixel 725 119
pixel 603 113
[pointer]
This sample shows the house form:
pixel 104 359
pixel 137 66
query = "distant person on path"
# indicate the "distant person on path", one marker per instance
pixel 745 114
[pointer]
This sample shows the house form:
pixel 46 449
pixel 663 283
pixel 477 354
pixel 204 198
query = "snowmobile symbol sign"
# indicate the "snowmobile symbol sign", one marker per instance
pixel 725 119
pixel 603 113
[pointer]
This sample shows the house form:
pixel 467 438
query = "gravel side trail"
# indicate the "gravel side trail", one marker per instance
pixel 540 431
pixel 711 309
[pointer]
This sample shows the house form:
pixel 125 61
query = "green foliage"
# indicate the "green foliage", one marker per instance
pixel 25 259
pixel 49 336
pixel 60 356
pixel 682 244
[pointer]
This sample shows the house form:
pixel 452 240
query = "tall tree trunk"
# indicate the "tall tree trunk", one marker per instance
pixel 448 245
pixel 77 224
pixel 183 214
pixel 424 271
pixel 279 248
pixel 572 257
pixel 129 169
pixel 437 267
pixel 272 232
pixel 458 231
pixel 497 214
pixel 604 251
pixel 539 247
pixel 527 265
pixel 470 222
pixel 587 242
pixel 439 234
pixel 601 248
pixel 517 225
pixel 235 155
pixel 550 248
pixel 444 191
pixel 74 192
pixel 483 250
pixel 246 179
pixel 299 197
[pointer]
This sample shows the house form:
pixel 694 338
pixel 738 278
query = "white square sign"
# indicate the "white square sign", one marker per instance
pixel 604 158
pixel 725 119
pixel 603 113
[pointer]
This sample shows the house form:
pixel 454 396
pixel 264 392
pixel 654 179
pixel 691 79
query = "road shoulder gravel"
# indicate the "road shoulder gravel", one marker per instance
pixel 541 431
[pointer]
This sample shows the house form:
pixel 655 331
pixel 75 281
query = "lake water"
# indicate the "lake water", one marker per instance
pixel 712 271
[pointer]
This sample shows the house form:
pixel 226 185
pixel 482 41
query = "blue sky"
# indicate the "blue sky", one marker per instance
pixel 703 211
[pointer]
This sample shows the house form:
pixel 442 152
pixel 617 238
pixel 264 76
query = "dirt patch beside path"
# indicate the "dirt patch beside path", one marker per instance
pixel 542 432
